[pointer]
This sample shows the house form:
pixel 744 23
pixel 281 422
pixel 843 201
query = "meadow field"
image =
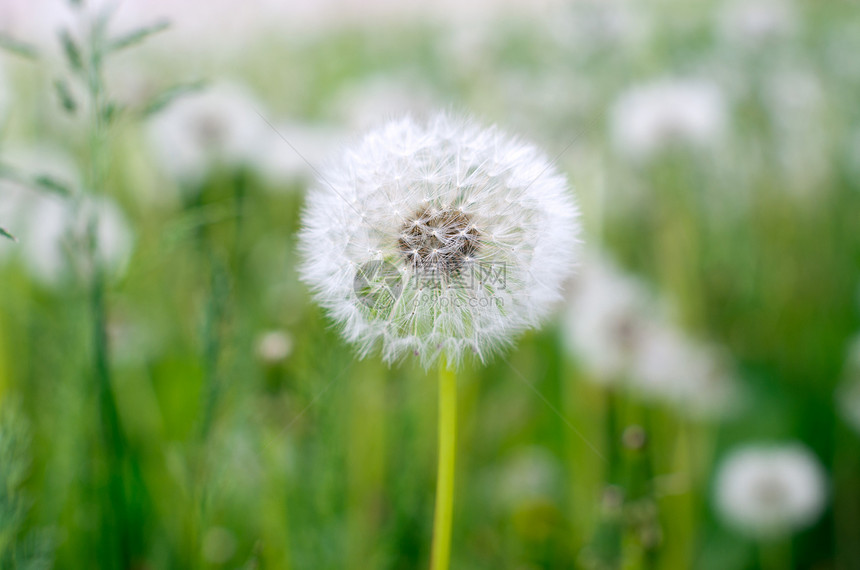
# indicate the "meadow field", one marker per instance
pixel 174 396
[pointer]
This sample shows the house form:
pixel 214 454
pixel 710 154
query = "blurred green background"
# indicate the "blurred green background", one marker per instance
pixel 172 398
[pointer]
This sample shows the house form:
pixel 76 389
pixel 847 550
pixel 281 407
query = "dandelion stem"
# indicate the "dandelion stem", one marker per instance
pixel 443 516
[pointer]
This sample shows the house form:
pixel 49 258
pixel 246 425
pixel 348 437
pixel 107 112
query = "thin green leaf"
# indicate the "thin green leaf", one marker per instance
pixel 110 112
pixel 46 182
pixel 72 51
pixel 137 36
pixel 169 95
pixel 65 95
pixel 18 47
pixel 6 234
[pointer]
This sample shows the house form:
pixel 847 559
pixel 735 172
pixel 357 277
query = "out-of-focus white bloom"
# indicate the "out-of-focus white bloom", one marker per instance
pixel 439 238
pixel 620 335
pixel 771 491
pixel 279 163
pixel 665 113
pixel 219 126
pixel 274 346
pixel 113 233
pixel 605 318
pixel 17 201
pixel 55 237
pixel 51 233
pixel 697 379
pixel 797 107
pixel 848 394
pixel 750 22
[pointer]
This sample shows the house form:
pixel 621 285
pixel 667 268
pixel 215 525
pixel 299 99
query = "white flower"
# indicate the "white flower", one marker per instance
pixel 55 237
pixel 604 320
pixel 771 491
pixel 217 127
pixel 441 238
pixel 671 367
pixel 51 233
pixel 620 335
pixel 274 346
pixel 20 205
pixel 666 113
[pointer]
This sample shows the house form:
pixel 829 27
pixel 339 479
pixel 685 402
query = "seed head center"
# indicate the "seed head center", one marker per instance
pixel 442 239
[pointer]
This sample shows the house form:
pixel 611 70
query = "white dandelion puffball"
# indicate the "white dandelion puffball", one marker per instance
pixel 667 113
pixel 50 229
pixel 438 239
pixel 605 317
pixel 202 131
pixel 771 491
pixel 274 346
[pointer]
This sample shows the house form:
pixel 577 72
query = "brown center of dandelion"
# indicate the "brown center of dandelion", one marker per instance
pixel 438 239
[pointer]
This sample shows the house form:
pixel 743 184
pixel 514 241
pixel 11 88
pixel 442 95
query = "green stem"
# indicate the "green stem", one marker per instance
pixel 775 555
pixel 441 553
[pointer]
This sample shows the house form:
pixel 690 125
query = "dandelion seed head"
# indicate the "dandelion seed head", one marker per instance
pixel 202 131
pixel 606 315
pixel 52 232
pixel 667 113
pixel 438 238
pixel 770 491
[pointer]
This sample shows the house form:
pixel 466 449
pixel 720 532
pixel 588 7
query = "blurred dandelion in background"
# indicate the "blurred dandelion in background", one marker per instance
pixel 770 491
pixel 668 113
pixel 218 127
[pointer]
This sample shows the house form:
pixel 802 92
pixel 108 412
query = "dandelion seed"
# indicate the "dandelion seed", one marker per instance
pixel 446 280
pixel 771 491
